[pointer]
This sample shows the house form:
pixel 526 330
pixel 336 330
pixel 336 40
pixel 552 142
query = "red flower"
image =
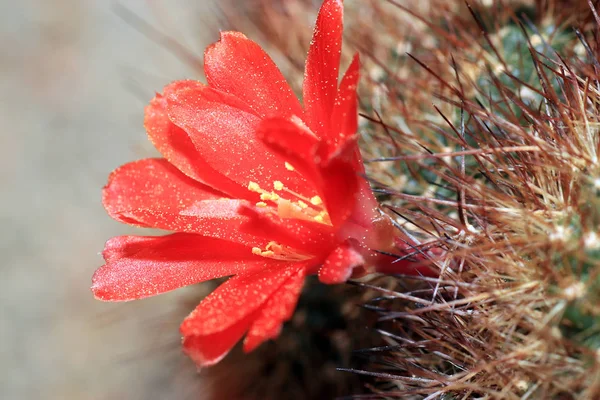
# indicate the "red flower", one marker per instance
pixel 255 186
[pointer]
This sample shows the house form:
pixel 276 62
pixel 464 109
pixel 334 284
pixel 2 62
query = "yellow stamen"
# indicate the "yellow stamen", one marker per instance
pixel 269 196
pixel 254 187
pixel 297 195
pixel 275 247
pixel 323 218
pixel 316 201
pixel 303 208
pixel 288 166
pixel 278 251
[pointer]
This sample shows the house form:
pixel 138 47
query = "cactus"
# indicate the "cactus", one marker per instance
pixel 506 162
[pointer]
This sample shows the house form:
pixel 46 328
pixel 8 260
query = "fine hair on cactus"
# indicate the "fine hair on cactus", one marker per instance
pixel 501 172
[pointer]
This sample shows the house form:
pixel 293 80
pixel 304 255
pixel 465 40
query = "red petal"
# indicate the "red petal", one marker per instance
pixel 223 129
pixel 127 246
pixel 344 118
pixel 340 194
pixel 214 218
pixel 139 266
pixel 238 66
pixel 352 195
pixel 308 237
pixel 294 142
pixel 208 350
pixel 365 205
pixel 322 65
pixel 219 321
pixel 237 298
pixel 339 264
pixel 149 184
pixel 152 193
pixel 279 308
pixel 175 145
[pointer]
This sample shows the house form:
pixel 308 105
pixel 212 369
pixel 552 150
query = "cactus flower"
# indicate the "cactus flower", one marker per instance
pixel 254 185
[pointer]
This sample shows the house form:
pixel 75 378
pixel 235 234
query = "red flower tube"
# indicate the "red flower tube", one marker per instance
pixel 254 185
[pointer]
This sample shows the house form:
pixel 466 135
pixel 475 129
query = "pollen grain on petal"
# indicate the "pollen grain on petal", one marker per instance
pixel 254 187
pixel 272 196
pixel 316 201
pixel 281 252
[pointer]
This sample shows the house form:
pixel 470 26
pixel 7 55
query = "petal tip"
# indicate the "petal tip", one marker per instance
pixel 235 34
pixel 340 265
pixel 224 36
pixel 99 290
pixel 198 357
pixel 252 342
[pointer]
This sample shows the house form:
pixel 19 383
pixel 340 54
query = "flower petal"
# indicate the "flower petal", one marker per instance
pixel 352 195
pixel 238 66
pixel 237 298
pixel 149 184
pixel 294 142
pixel 307 237
pixel 340 194
pixel 152 193
pixel 207 350
pixel 212 218
pixel 338 266
pixel 322 66
pixel 143 266
pixel 344 118
pixel 279 308
pixel 175 145
pixel 223 130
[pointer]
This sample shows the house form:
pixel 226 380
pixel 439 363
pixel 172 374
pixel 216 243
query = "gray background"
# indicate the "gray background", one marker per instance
pixel 74 78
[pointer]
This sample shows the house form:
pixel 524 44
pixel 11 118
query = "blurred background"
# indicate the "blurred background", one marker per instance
pixel 74 77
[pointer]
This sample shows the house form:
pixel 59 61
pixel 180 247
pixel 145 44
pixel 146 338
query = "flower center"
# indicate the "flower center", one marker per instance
pixel 295 206
pixel 278 251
